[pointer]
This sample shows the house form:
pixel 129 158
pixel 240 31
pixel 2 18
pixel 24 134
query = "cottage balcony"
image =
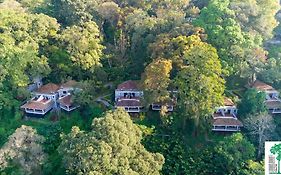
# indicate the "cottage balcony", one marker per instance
pixel 226 128
pixel 130 104
pixel 273 106
pixel 157 107
pixel 68 108
pixel 66 103
pixel 133 109
pixel 226 122
pixel 38 105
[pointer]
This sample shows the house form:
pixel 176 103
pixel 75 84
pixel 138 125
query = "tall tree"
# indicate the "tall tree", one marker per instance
pixel 199 81
pixel 226 34
pixel 112 147
pixel 71 12
pixel 156 80
pixel 252 103
pixel 22 37
pixel 261 128
pixel 256 16
pixel 236 151
pixel 24 149
pixel 83 44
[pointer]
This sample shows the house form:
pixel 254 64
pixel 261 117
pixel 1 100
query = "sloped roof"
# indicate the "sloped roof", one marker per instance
pixel 66 101
pixel 128 102
pixel 228 102
pixel 227 122
pixel 36 105
pixel 48 88
pixel 273 104
pixel 128 85
pixel 261 86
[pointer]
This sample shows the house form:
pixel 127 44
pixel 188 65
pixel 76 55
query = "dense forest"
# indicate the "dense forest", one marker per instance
pixel 206 50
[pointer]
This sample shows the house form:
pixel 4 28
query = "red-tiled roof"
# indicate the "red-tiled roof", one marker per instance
pixel 128 102
pixel 273 104
pixel 228 102
pixel 226 122
pixel 36 105
pixel 48 88
pixel 227 115
pixel 128 85
pixel 262 86
pixel 66 101
pixel 69 84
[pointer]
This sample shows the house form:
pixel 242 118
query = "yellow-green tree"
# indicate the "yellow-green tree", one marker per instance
pixel 112 147
pixel 156 80
pixel 83 44
pixel 199 81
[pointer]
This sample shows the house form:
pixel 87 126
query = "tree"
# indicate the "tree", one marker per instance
pixel 83 44
pixel 261 127
pixel 233 154
pixel 271 72
pixel 173 147
pixel 21 45
pixel 156 80
pixel 256 16
pixel 252 103
pixel 199 81
pixel 233 151
pixel 226 34
pixel 112 147
pixel 24 149
pixel 276 149
pixel 72 12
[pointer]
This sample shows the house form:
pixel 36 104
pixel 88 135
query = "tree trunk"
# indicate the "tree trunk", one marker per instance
pixel 259 148
pixel 196 124
pixel 206 136
pixel 184 124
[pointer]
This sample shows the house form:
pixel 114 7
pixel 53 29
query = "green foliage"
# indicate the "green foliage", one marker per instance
pixel 114 138
pixel 71 12
pixel 156 80
pixel 22 36
pixel 274 52
pixel 261 127
pixel 272 72
pixel 236 45
pixel 171 145
pixel 83 44
pixel 23 149
pixel 256 16
pixel 252 103
pixel 117 40
pixel 199 81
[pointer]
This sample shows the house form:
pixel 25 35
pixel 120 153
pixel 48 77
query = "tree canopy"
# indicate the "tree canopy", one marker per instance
pixel 200 74
pixel 112 147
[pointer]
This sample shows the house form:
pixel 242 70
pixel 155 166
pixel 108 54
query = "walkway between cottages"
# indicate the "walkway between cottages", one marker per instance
pixel 102 100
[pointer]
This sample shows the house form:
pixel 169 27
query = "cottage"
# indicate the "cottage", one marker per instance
pixel 43 101
pixel 66 103
pixel 65 95
pixel 51 96
pixel 225 117
pixel 272 101
pixel 129 96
